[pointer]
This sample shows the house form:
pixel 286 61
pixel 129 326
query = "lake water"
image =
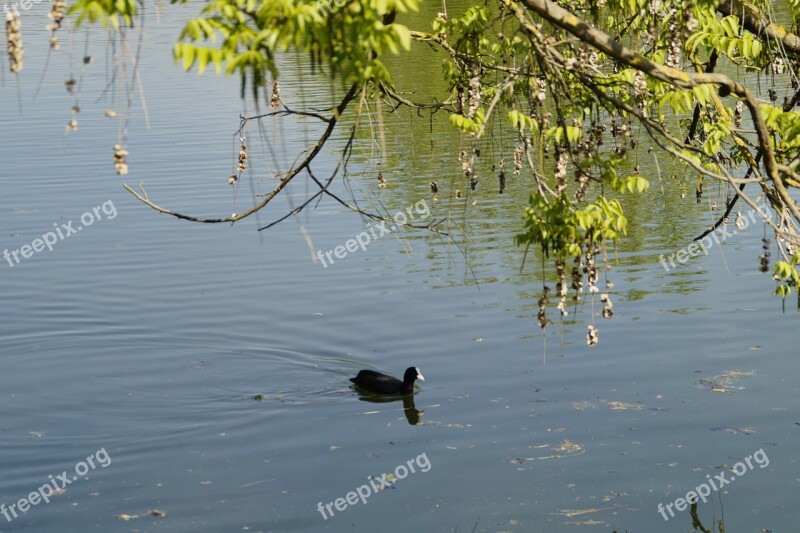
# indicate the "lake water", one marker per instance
pixel 143 341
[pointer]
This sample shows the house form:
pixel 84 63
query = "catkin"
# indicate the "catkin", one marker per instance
pixel 14 42
pixel 57 9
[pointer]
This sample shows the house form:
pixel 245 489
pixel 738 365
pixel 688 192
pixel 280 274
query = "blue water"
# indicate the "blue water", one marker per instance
pixel 151 337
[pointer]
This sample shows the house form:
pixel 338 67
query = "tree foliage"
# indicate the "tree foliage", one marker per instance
pixel 577 81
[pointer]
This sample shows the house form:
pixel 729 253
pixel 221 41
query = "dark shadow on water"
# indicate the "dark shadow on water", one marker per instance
pixel 412 413
pixel 698 525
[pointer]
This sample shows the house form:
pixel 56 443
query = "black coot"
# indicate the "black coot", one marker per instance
pixel 383 384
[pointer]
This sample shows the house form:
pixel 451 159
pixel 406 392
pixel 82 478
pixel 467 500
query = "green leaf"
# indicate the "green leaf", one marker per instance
pixel 187 55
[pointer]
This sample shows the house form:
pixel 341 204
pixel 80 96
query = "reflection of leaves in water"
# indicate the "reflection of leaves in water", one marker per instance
pixel 387 477
pixel 571 513
pixel 725 382
pixel 698 526
pixel 566 448
pixel 609 497
pixel 622 406
pixel 733 431
pixel 152 512
pixel 569 447
pixel 615 406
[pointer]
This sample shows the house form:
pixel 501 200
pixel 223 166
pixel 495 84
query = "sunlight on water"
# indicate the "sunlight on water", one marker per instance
pixel 212 362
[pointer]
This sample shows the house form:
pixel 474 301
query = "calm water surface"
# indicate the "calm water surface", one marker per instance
pixel 150 337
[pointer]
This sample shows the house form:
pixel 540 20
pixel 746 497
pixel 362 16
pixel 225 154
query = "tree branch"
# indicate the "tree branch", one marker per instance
pixel 337 111
pixel 756 23
pixel 604 43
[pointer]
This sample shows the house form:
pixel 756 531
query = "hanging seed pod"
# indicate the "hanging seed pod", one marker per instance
pixel 764 263
pixel 577 277
pixel 737 114
pixel 275 100
pixel 562 159
pixel 434 187
pixel 740 224
pixel 120 160
pixel 773 95
pixel 517 160
pixel 675 36
pixel 462 158
pixel 442 34
pixel 791 249
pixel 232 179
pixel 639 84
pixel 583 185
pixel 70 84
pixel 764 258
pixel 541 82
pixel 110 113
pixel 458 193
pixel 777 65
pixel 88 60
pixel 607 306
pixel 561 162
pixel 590 269
pixel 72 125
pixel 381 181
pixel 16 55
pixel 592 337
pixel 242 164
pixel 542 314
pixel 474 91
pixel 501 178
pixel 54 45
pixel 561 287
pixel 473 182
pixel 654 6
pixel 57 10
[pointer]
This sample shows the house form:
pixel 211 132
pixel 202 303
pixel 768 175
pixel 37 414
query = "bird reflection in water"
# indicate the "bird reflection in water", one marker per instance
pixel 412 413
